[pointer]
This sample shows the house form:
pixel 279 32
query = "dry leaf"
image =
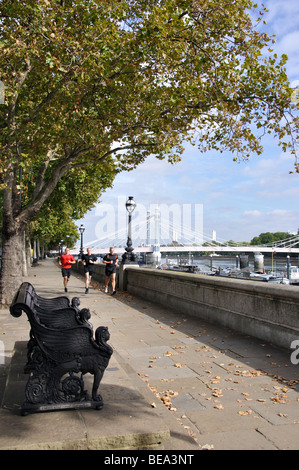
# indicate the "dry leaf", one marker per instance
pixel 217 393
pixel 165 399
pixel 219 407
pixel 244 413
pixel 207 447
pixel 278 400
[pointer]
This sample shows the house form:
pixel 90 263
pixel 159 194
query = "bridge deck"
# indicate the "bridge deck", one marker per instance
pixel 213 249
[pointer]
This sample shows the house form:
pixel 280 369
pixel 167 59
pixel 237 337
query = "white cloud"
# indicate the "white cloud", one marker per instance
pixel 281 213
pixel 253 213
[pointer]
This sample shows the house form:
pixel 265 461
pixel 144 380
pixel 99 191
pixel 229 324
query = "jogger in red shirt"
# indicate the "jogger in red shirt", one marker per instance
pixel 66 262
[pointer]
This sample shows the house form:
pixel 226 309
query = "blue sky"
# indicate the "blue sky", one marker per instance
pixel 240 200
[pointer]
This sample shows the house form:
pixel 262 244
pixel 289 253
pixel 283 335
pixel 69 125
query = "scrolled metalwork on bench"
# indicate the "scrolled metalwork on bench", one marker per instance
pixel 61 350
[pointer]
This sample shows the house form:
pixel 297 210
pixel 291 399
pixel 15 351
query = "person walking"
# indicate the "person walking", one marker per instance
pixel 88 260
pixel 111 261
pixel 66 260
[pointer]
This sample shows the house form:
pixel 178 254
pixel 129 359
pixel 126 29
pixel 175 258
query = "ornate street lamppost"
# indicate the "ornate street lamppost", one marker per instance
pixel 129 256
pixel 81 230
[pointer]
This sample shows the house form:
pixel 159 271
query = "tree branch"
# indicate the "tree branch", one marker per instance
pixel 12 105
pixel 41 174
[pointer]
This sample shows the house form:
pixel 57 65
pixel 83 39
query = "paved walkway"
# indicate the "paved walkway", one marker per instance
pixel 174 382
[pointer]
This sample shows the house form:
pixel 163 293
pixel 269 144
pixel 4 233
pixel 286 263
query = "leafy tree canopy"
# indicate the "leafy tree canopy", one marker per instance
pixel 52 227
pixel 89 82
pixel 146 74
pixel 73 196
pixel 269 237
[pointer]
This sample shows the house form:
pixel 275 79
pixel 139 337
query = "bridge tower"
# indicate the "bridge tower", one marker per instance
pixel 154 257
pixel 148 228
pixel 156 252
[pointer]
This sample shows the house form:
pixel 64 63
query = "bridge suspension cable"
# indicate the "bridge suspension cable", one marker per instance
pixel 187 237
pixel 190 237
pixel 285 243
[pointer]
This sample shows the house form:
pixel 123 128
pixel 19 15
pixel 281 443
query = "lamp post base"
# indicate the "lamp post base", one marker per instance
pixel 129 258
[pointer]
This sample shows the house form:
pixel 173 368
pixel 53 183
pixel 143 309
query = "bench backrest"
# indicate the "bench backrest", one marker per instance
pixel 52 313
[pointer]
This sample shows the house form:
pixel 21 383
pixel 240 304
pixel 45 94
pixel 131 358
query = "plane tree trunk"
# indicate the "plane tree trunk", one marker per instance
pixel 11 272
pixel 15 222
pixel 12 255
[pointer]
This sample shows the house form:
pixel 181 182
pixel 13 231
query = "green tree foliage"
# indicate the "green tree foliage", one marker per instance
pixel 269 237
pixel 109 82
pixel 75 194
pixel 50 227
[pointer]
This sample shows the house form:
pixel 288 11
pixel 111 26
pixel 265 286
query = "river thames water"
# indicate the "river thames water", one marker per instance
pixel 277 264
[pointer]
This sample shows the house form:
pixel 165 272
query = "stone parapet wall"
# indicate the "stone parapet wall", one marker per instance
pixel 266 311
pixel 269 312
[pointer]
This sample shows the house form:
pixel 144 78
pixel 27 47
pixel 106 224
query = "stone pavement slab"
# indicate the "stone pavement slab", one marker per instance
pixel 127 421
pixel 211 387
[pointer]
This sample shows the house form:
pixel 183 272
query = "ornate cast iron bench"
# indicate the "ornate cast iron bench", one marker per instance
pixel 60 351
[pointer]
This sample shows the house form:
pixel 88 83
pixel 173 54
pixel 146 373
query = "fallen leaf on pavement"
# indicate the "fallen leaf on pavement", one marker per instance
pixel 219 407
pixel 244 413
pixel 217 393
